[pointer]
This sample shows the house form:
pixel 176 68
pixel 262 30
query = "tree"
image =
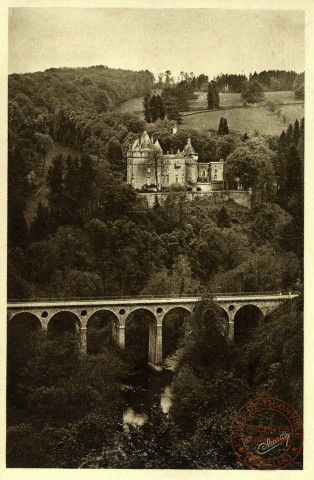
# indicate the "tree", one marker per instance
pixel 208 341
pixel 296 132
pixel 147 110
pixel 168 77
pixel 252 163
pixel 274 84
pixel 114 154
pixel 253 92
pixel 86 179
pixel 223 128
pixel 75 283
pixel 45 144
pixel 212 96
pixel 216 96
pixel 41 225
pixel 299 93
pixel 223 218
pixel 17 227
pixel 294 170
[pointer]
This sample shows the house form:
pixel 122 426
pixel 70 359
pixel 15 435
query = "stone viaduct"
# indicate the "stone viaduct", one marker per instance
pixel 231 304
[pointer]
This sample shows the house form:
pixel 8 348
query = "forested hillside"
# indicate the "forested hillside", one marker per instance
pixel 91 238
pixel 65 411
pixel 68 106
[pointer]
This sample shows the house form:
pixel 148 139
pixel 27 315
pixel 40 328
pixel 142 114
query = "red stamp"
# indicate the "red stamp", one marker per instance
pixel 267 434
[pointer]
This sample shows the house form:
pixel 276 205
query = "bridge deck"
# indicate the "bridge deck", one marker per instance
pixel 147 300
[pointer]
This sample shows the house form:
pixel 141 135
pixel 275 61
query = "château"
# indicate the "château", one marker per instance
pixel 149 168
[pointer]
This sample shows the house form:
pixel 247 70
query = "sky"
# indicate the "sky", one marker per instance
pixel 209 41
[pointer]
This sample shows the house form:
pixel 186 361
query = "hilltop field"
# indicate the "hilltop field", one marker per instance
pixel 251 119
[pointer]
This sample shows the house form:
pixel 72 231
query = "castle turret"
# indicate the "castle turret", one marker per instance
pixel 191 163
pixel 157 145
pixel 141 165
pixel 145 141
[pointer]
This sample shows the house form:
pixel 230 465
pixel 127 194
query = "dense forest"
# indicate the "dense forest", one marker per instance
pixel 90 238
pixel 271 80
pixel 65 411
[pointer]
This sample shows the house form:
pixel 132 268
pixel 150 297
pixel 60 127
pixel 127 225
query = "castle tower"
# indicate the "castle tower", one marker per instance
pixel 142 163
pixel 217 175
pixel 190 163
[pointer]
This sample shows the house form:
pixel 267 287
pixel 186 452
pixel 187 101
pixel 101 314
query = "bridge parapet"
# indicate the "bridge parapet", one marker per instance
pixel 122 308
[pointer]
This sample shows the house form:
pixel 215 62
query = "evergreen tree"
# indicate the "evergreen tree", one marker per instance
pixel 17 227
pixel 147 111
pixel 296 132
pixel 302 128
pixel 56 197
pixel 41 225
pixel 153 108
pixel 55 177
pixel 210 97
pixel 114 154
pixel 71 189
pixel 289 135
pixel 223 218
pixel 282 140
pixel 173 112
pixel 86 179
pixel 294 170
pixel 223 128
pixel 216 97
pixel 160 108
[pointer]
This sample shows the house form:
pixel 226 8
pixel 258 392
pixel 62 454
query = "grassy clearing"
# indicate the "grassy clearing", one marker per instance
pixel 240 119
pixel 245 120
pixel 135 105
pixel 292 112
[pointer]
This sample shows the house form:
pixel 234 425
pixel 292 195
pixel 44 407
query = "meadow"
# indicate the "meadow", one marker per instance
pixel 250 120
pixel 135 105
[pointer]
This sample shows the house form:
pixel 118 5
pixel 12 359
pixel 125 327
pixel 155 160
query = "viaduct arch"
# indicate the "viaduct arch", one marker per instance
pixel 235 308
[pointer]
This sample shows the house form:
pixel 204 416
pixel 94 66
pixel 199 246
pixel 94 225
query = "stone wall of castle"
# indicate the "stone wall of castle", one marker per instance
pixel 243 198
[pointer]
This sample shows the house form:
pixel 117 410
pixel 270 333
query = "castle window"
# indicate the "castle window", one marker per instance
pixel 167 177
pixel 148 180
pixel 176 178
pixel 215 177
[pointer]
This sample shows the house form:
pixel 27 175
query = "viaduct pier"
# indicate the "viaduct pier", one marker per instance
pixel 255 305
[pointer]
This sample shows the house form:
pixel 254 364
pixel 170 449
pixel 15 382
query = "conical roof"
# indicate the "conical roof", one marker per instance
pixel 136 144
pixel 157 145
pixel 188 149
pixel 145 141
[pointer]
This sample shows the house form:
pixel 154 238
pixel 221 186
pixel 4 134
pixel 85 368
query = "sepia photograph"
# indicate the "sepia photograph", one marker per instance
pixel 155 238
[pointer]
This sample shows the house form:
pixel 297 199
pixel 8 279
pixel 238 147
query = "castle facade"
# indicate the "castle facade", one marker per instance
pixel 148 168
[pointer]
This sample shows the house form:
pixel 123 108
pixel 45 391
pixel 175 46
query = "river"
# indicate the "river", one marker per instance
pixel 145 388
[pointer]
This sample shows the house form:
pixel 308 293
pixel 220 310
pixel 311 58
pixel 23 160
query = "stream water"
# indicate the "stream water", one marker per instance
pixel 145 388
